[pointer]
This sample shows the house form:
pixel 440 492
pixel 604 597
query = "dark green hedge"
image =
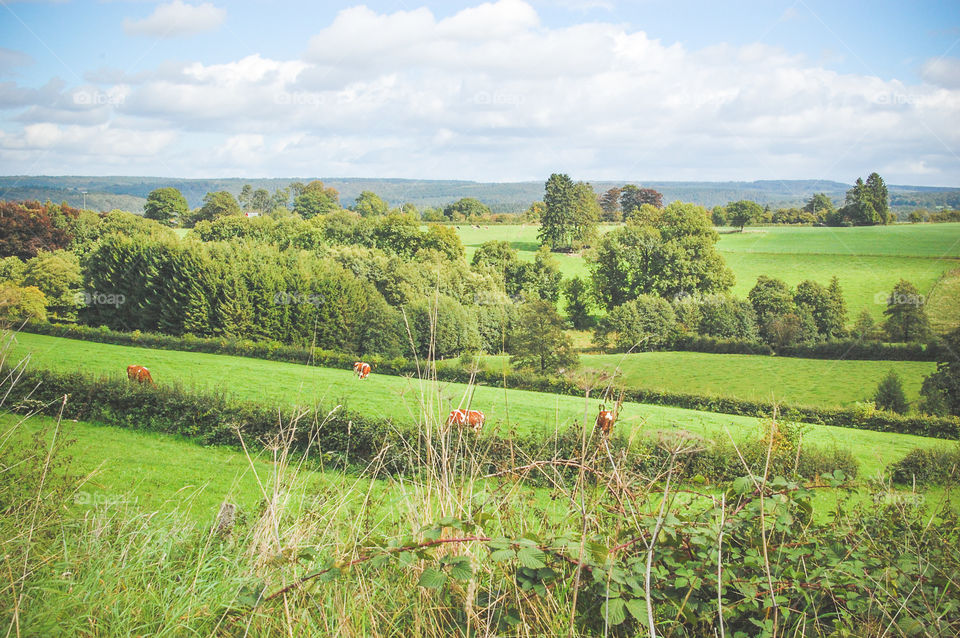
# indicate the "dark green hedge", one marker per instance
pixel 353 440
pixel 924 466
pixel 945 428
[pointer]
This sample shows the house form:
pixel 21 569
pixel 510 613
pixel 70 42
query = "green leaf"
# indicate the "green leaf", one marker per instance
pixel 432 578
pixel 743 485
pixel 502 554
pixel 531 557
pixel 613 611
pixel 461 569
pixel 251 594
pixel 637 608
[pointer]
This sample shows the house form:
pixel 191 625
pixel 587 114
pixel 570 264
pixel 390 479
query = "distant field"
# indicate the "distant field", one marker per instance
pixel 868 261
pixel 278 383
pixel 813 382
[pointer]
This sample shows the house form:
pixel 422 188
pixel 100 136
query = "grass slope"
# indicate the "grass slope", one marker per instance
pixel 812 382
pixel 868 261
pixel 282 383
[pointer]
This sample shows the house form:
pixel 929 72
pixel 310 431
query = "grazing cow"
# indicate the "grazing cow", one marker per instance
pixel 605 420
pixel 362 369
pixel 472 418
pixel 139 374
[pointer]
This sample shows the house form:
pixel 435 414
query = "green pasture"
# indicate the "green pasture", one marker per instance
pixel 867 260
pixel 810 382
pixel 406 399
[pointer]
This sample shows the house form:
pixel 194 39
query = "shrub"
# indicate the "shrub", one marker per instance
pixel 928 466
pixel 889 395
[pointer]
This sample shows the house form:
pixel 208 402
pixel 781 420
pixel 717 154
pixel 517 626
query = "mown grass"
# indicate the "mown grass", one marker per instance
pixel 288 384
pixel 868 260
pixel 943 303
pixel 790 380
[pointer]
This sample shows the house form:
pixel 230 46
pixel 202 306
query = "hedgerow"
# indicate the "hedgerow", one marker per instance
pixel 352 439
pixel 876 420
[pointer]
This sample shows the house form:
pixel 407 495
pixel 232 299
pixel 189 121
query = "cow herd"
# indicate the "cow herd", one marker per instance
pixel 474 419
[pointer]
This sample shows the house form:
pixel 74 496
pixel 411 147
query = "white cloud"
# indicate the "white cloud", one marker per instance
pixel 492 93
pixel 177 19
pixel 943 72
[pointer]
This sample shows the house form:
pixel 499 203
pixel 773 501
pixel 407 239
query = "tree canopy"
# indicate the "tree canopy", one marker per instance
pixel 166 205
pixel 668 253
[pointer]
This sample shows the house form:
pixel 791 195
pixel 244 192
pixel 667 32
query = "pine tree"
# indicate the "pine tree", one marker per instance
pixel 889 395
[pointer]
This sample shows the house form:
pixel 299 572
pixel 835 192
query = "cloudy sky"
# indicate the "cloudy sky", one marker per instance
pixel 503 91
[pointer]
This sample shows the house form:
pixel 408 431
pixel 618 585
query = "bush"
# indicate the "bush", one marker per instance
pixel 645 323
pixel 925 466
pixel 889 395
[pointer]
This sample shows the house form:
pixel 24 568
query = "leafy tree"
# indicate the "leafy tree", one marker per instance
pixel 727 317
pixel 770 297
pixel 820 205
pixel 906 316
pixel 864 326
pixel 537 339
pixel 644 323
pixel 217 205
pixel 466 208
pixel 825 305
pixel 743 212
pixel 280 199
pixel 245 197
pixel 444 329
pixel 781 321
pixel 889 394
pixel 541 279
pixel 369 204
pixel 11 270
pixel 878 196
pixel 867 203
pixel 314 199
pixel 58 276
pixel 166 205
pixel 262 201
pixel 941 390
pixel 918 216
pixel 503 259
pixel 667 254
pixel 29 227
pixel 610 204
pixel 633 197
pixel 718 215
pixel 570 213
pixel 21 303
pixel 445 240
pixel 576 292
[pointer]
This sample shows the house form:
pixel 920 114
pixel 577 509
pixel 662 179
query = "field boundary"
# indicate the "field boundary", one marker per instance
pixel 859 418
pixel 353 441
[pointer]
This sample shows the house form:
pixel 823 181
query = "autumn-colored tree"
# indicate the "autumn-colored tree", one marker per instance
pixel 29 227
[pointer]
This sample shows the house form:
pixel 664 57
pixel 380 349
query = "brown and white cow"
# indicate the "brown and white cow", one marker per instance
pixel 139 374
pixel 472 418
pixel 605 420
pixel 361 369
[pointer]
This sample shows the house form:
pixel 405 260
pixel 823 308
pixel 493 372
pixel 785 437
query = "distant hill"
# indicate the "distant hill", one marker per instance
pixel 129 193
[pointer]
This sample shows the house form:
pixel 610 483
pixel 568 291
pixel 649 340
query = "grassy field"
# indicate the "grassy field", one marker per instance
pixel 400 398
pixel 868 261
pixel 943 303
pixel 813 382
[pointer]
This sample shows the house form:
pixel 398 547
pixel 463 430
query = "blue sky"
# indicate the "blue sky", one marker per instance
pixel 502 91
